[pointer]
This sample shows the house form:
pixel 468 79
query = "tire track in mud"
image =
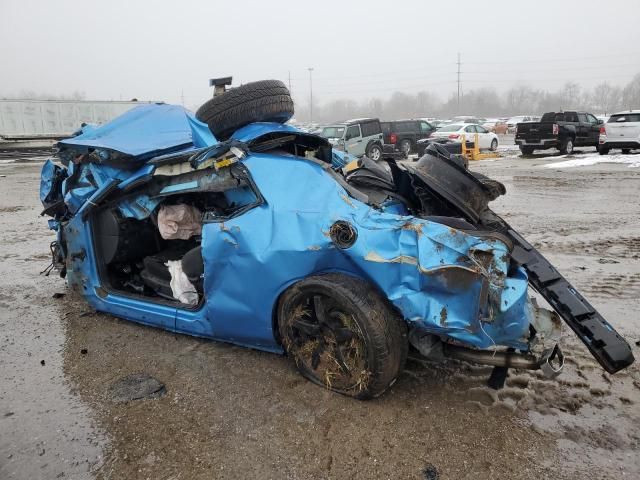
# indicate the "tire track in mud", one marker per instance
pixel 616 286
pixel 582 382
pixel 586 409
pixel 622 247
pixel 587 225
pixel 536 182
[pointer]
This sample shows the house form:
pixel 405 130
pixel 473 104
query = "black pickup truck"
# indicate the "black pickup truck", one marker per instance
pixel 561 130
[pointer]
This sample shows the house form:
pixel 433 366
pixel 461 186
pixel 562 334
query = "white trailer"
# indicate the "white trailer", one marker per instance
pixel 28 120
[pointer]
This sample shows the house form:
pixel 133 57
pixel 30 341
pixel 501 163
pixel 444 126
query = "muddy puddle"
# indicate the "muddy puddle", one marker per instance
pixel 229 412
pixel 46 430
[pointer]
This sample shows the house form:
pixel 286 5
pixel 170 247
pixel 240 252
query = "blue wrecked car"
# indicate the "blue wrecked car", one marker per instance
pixel 243 229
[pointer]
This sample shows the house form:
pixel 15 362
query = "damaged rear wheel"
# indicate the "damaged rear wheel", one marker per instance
pixel 343 335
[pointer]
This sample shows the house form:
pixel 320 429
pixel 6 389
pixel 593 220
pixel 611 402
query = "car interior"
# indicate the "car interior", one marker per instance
pixel 135 255
pixel 143 252
pixel 157 254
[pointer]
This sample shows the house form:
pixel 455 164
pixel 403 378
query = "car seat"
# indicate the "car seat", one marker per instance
pixel 156 276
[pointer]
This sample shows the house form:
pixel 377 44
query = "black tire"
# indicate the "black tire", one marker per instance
pixel 263 101
pixel 566 147
pixel 603 150
pixel 626 151
pixel 526 150
pixel 494 145
pixel 342 334
pixel 374 152
pixel 406 147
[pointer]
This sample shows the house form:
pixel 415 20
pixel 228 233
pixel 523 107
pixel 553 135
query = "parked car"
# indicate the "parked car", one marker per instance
pixel 468 119
pixel 358 137
pixel 404 134
pixel 251 237
pixel 496 126
pixel 561 130
pixel 437 123
pixel 513 121
pixel 454 132
pixel 622 130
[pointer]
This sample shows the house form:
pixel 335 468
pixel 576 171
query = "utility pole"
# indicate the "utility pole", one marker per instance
pixel 310 94
pixel 289 81
pixel 458 63
pixel 182 96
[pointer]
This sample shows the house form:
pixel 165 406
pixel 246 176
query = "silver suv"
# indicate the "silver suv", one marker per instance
pixel 358 137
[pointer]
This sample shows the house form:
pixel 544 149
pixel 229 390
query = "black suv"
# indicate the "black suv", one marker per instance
pixel 404 134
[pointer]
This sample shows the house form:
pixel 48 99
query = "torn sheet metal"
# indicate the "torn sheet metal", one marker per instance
pixel 144 132
pixel 425 268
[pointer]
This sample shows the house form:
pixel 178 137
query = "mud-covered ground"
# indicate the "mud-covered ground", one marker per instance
pixel 230 412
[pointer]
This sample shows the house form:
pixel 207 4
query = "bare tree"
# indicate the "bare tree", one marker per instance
pixel 631 94
pixel 520 99
pixel 605 98
pixel 570 95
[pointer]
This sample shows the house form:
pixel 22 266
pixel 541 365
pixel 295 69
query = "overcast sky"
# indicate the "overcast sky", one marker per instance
pixel 113 49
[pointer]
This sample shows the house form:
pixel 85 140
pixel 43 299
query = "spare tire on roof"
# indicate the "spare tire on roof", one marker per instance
pixel 262 101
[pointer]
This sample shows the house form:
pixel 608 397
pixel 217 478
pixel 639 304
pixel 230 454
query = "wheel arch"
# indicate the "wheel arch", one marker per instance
pixel 359 275
pixel 372 142
pixel 571 133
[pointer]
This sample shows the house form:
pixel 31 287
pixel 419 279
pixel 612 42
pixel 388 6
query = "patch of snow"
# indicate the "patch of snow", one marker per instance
pixel 632 160
pixel 508 148
pixel 552 157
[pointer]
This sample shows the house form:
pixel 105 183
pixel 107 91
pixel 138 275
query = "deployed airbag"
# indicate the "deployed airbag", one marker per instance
pixel 179 222
pixel 182 289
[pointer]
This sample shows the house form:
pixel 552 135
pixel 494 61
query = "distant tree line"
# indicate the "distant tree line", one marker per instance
pixel 604 98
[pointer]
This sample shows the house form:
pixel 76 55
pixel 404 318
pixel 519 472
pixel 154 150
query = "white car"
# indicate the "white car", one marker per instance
pixel 622 130
pixel 513 121
pixel 486 140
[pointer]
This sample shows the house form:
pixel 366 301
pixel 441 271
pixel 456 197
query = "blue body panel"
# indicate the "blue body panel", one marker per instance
pixel 146 131
pixel 438 277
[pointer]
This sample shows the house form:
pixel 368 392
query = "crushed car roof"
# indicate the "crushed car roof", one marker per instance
pixel 147 130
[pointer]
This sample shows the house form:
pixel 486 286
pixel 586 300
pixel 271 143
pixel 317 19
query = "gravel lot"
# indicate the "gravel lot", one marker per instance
pixel 230 412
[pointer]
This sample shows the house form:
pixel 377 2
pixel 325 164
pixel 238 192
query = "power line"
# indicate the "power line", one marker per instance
pixel 544 70
pixel 547 60
pixel 394 72
pixel 546 79
pixel 387 89
pixel 340 83
pixel 474 76
pixel 310 94
pixel 459 82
